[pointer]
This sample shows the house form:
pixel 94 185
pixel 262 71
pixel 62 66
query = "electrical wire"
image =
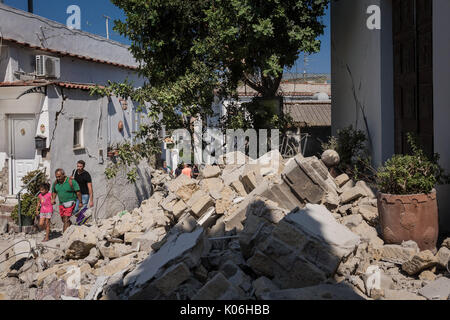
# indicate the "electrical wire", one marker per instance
pixel 18 254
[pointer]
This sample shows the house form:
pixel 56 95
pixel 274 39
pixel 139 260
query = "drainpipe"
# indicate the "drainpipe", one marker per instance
pixel 30 6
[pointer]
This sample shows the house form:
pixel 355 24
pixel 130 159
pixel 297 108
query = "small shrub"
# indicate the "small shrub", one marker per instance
pixel 410 174
pixel 29 200
pixel 350 144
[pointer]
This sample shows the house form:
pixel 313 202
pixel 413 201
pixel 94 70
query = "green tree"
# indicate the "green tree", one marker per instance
pixel 190 51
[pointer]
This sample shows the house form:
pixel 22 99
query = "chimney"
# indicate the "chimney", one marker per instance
pixel 30 6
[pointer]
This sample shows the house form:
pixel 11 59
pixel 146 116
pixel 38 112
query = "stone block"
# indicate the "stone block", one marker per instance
pixel 219 288
pixel 130 236
pixel 420 261
pixel 263 286
pixel 352 194
pixel 172 278
pixel 303 186
pixel 77 242
pixel 179 208
pixel 238 186
pixel 443 257
pixel 437 290
pixel 175 248
pixel 211 172
pixel 342 180
pixel 398 254
pixel 179 182
pixel 369 213
pixel 202 205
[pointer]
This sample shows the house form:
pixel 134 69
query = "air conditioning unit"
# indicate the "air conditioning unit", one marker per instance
pixel 48 67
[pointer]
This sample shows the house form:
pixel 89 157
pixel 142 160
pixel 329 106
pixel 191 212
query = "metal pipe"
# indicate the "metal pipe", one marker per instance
pixel 20 214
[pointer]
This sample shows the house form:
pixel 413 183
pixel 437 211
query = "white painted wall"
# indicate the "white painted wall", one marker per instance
pixel 441 75
pixel 362 75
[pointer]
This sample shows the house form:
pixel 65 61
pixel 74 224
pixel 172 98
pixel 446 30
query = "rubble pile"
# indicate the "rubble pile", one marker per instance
pixel 267 229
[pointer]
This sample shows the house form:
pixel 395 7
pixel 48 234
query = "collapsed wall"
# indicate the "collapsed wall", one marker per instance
pixel 265 230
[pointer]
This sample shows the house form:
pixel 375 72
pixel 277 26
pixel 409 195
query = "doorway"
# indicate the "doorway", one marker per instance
pixel 413 73
pixel 22 149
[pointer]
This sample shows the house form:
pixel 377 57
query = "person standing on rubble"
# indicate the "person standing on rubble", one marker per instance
pixel 67 191
pixel 85 182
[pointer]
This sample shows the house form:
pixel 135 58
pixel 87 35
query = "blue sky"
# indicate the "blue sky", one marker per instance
pixel 92 20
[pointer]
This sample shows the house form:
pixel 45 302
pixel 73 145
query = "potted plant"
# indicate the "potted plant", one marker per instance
pixel 407 201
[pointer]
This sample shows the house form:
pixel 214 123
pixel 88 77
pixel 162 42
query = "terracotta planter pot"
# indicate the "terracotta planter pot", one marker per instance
pixel 409 217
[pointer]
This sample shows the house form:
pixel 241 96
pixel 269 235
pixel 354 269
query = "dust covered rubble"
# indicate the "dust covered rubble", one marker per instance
pixel 267 229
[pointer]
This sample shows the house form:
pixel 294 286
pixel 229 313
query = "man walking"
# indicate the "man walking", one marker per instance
pixel 85 182
pixel 68 192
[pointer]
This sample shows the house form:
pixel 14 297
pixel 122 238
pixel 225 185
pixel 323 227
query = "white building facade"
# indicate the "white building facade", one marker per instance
pixel 394 80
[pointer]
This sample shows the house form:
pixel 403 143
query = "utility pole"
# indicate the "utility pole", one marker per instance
pixel 30 6
pixel 107 25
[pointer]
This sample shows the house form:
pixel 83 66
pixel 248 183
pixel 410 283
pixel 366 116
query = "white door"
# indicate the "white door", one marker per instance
pixel 23 150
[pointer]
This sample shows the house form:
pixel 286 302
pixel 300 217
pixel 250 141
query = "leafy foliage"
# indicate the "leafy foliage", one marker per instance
pixel 191 51
pixel 410 174
pixel 350 144
pixel 29 200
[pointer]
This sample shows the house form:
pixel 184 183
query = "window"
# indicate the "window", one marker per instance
pixel 78 141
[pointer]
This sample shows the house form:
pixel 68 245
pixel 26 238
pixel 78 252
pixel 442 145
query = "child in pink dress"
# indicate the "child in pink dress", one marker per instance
pixel 45 209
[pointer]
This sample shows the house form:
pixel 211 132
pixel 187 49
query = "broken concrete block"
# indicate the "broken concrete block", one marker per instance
pixel 130 236
pixel 146 241
pixel 283 195
pixel 369 213
pixel 443 257
pixel 222 206
pixel 168 203
pixel 212 185
pixel 437 290
pixel 352 194
pixel 420 261
pixel 331 158
pixel 93 257
pixel 172 278
pixel 366 232
pixel 179 208
pixel 347 186
pixel 298 175
pixel 219 288
pixel 115 266
pixel 236 276
pixel 115 250
pixel 263 285
pixel 237 214
pixel 186 192
pixel 175 247
pixel 202 205
pixel 427 275
pixel 368 191
pixel 342 180
pixel 319 292
pixel 331 201
pixel 352 221
pixel 211 172
pixel 179 182
pixel 317 223
pixel 398 254
pixel 77 242
pixel 239 188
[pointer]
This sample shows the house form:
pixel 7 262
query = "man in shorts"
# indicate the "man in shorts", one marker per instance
pixel 68 191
